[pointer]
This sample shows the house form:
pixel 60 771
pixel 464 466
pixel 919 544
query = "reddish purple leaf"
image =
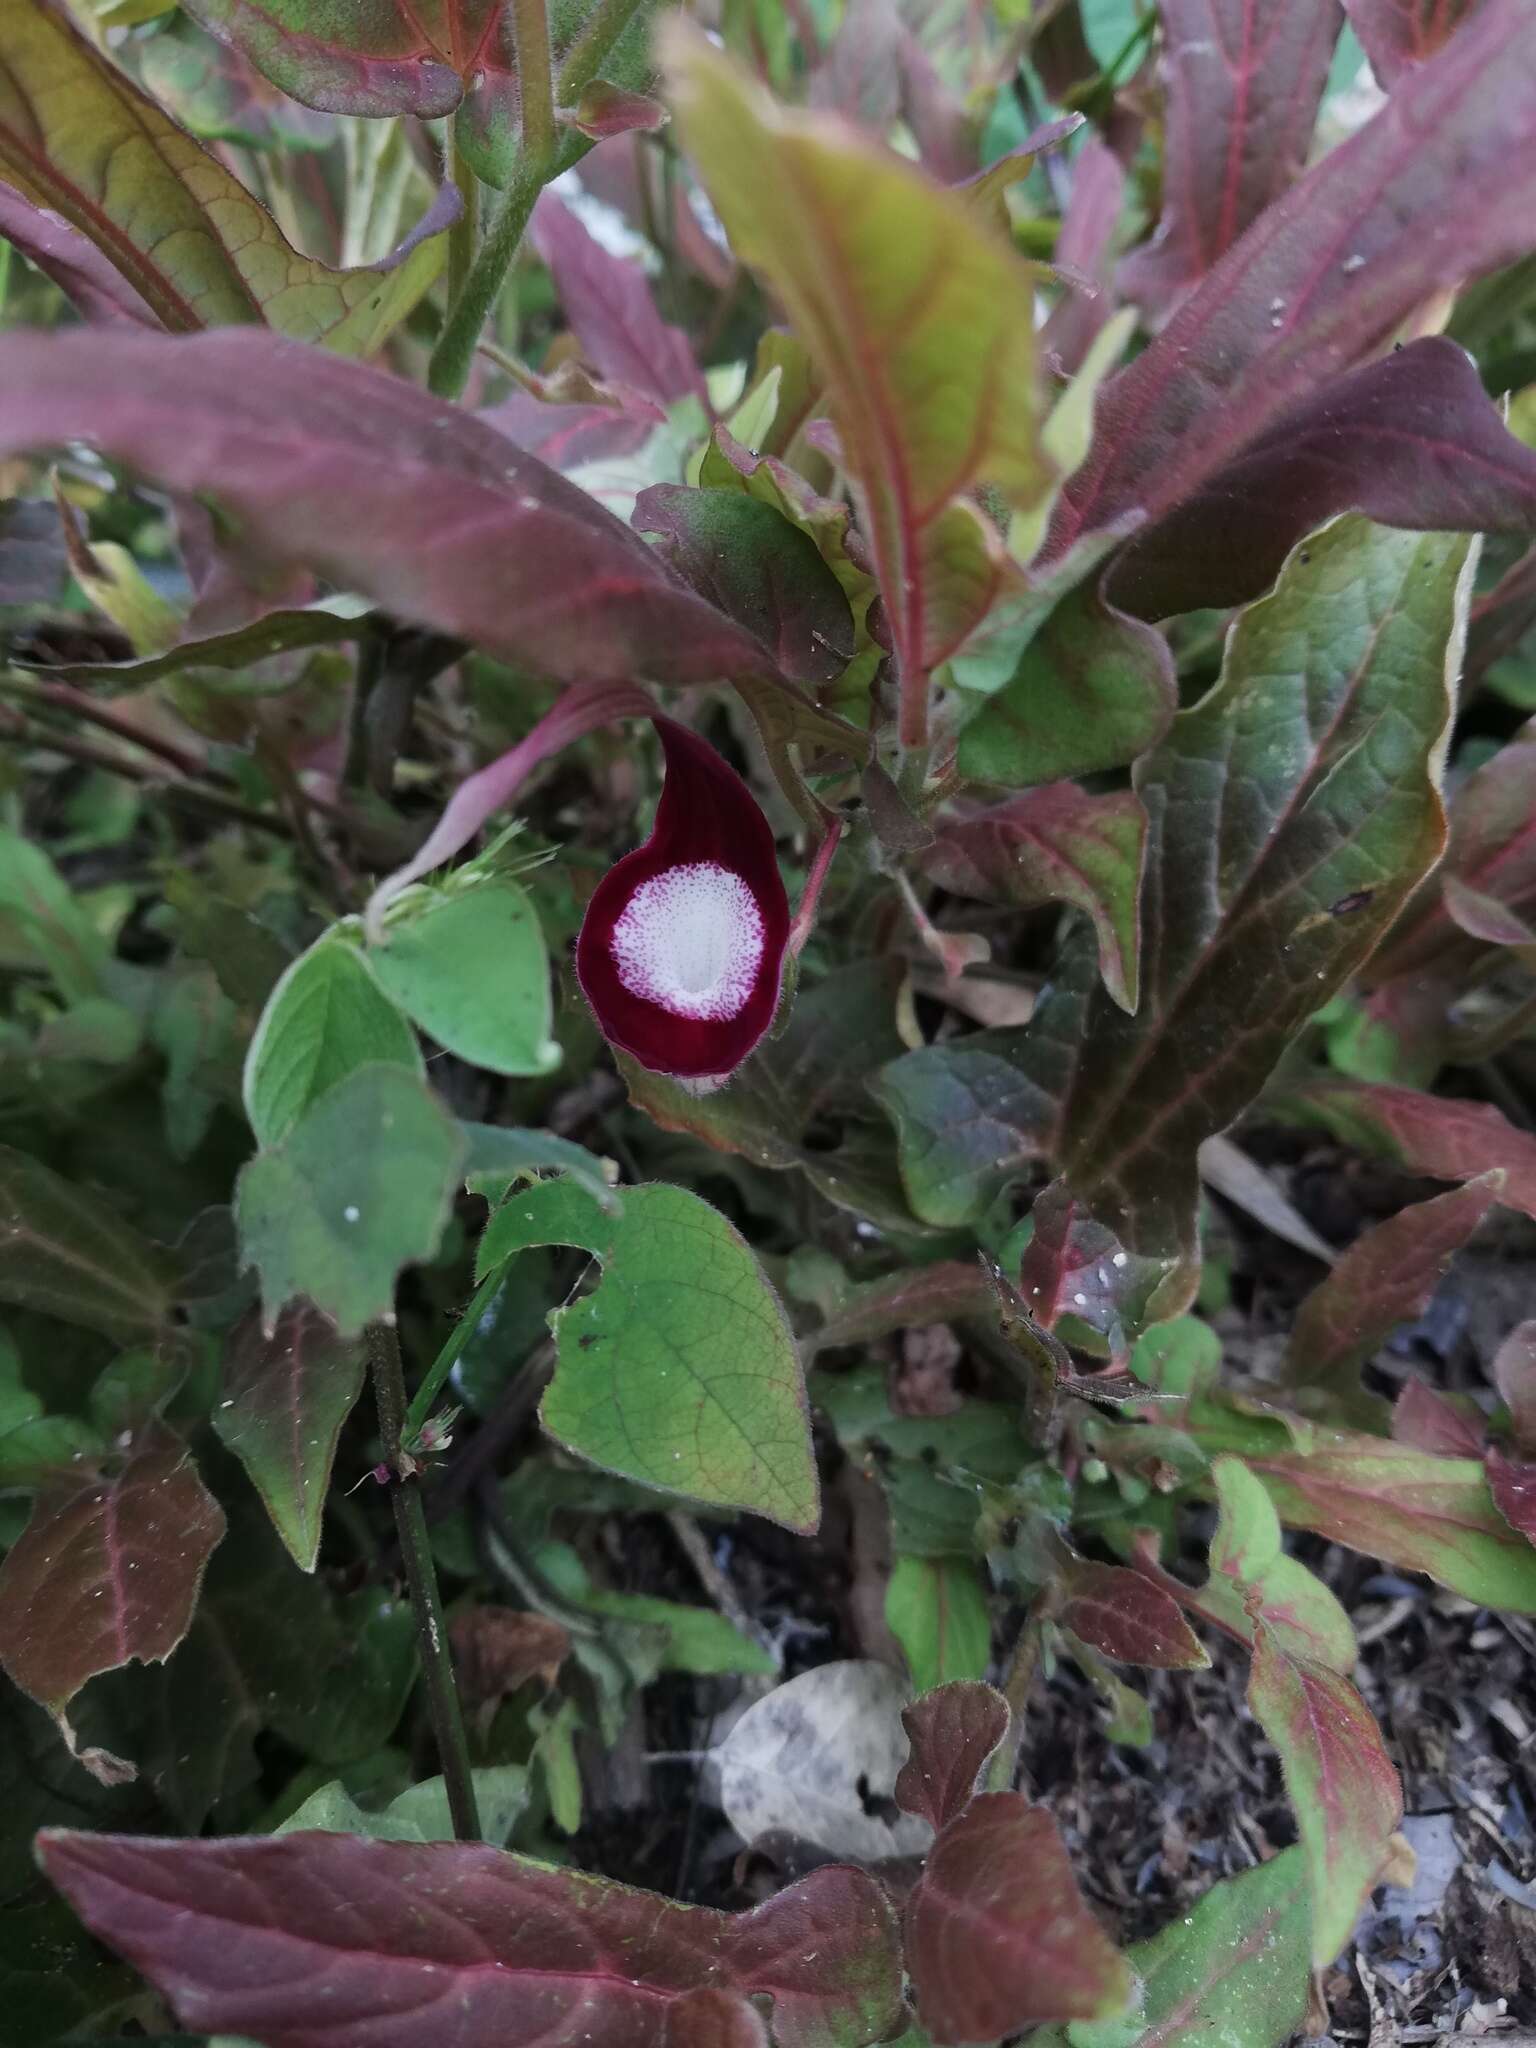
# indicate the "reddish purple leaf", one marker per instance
pixel 106 1571
pixel 565 436
pixel 1412 439
pixel 1083 250
pixel 1438 1136
pixel 997 1934
pixel 284 1399
pixel 95 288
pixel 953 1731
pixel 1057 844
pixel 605 110
pixel 1243 84
pixel 1430 1421
pixel 350 472
pixel 945 1292
pixel 1386 1278
pixel 1345 1793
pixel 607 302
pixel 1397 34
pixel 1439 186
pixel 682 947
pixel 1512 1482
pixel 751 563
pixel 337 1941
pixel 1500 619
pixel 1074 1266
pixel 1492 853
pixel 1125 1616
pixel 1514 1374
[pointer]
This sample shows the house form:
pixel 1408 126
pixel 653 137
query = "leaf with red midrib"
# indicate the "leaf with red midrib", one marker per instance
pixel 1344 1791
pixel 352 473
pixel 1292 811
pixel 998 1936
pixel 336 1941
pixel 1244 83
pixel 917 315
pixel 1439 1136
pixel 1426 1419
pixel 1398 34
pixel 78 138
pixel 1411 440
pixel 1125 1616
pixel 1386 1278
pixel 106 1572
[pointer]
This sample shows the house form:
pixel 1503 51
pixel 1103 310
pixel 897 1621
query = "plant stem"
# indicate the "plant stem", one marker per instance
pixel 448 371
pixel 437 1373
pixel 465 232
pixel 1018 1683
pixel 538 161
pixel 535 81
pixel 421 1580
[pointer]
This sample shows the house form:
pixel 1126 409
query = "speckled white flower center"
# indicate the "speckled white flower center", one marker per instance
pixel 690 940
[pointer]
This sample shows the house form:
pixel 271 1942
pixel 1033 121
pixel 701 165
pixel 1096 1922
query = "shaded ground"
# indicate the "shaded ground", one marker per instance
pixel 1449 1951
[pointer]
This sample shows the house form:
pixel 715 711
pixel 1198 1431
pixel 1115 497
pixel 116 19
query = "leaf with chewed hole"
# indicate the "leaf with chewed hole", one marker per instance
pixel 678 1369
pixel 820 1758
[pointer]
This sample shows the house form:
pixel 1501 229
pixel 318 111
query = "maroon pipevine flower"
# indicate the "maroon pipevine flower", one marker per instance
pixel 682 947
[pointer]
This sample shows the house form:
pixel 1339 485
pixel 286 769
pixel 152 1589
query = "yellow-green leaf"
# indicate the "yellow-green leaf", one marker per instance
pixel 78 137
pixel 920 319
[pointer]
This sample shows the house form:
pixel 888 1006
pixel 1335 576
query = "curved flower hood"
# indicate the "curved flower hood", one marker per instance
pixel 682 948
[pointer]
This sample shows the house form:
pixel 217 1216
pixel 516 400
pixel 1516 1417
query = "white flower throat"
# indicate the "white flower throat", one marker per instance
pixel 690 940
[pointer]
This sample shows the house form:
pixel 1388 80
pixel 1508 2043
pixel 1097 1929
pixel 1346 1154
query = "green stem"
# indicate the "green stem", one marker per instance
pixel 538 161
pixel 421 1581
pixel 448 371
pixel 465 232
pixel 535 80
pixel 426 1394
pixel 1018 1683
